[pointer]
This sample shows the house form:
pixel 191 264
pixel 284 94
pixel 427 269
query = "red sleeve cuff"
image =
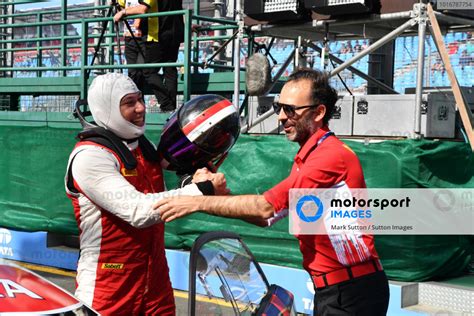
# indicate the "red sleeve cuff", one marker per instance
pixel 272 198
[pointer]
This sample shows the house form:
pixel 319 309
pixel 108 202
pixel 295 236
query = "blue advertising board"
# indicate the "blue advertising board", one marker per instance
pixel 32 247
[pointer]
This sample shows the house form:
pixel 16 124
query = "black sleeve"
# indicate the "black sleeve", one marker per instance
pixel 206 187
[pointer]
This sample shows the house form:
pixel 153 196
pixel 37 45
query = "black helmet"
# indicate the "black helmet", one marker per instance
pixel 202 131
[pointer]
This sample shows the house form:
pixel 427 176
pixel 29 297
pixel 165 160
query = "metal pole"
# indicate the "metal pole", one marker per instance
pixel 421 8
pixel 3 52
pixel 464 112
pixel 321 24
pixel 63 34
pixel 187 56
pixel 218 4
pixel 222 47
pixel 219 12
pixel 427 69
pixel 282 69
pixel 9 57
pixel 375 45
pixel 84 49
pixel 300 57
pixel 257 121
pixel 230 14
pixel 97 29
pixel 113 28
pixel 382 17
pixel 240 22
pixel 196 11
pixel 39 52
pixel 356 71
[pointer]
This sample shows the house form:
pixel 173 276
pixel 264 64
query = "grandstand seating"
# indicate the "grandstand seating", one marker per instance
pixel 405 60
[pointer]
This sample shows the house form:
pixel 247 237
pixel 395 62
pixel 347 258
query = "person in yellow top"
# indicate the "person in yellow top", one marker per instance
pixel 146 48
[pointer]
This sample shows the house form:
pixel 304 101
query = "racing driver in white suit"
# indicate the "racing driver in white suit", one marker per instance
pixel 113 180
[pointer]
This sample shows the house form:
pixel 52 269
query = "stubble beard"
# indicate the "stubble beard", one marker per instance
pixel 303 129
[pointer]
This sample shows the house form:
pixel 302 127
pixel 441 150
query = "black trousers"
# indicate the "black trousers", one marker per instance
pixel 170 74
pixel 366 296
pixel 155 52
pixel 134 54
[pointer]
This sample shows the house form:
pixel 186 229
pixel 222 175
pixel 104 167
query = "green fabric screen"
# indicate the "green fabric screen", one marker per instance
pixel 33 161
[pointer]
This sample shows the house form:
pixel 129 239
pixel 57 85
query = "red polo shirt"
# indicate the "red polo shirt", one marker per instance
pixel 323 166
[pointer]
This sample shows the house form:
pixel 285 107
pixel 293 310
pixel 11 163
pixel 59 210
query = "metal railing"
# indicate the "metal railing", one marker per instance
pixel 84 44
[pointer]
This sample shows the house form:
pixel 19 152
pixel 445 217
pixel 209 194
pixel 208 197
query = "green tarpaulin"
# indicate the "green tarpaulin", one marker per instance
pixel 33 160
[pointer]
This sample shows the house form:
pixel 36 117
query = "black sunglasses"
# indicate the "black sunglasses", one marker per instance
pixel 290 110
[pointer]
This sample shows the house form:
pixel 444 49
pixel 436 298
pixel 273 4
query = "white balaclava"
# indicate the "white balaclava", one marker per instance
pixel 104 97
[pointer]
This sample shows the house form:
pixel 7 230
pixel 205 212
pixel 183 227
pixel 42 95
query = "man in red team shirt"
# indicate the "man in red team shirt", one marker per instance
pixel 346 272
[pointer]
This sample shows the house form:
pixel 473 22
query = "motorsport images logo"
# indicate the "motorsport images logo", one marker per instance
pixel 309 208
pixel 343 210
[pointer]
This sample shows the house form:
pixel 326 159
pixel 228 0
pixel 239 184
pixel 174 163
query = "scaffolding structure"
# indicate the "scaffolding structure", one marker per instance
pixel 230 30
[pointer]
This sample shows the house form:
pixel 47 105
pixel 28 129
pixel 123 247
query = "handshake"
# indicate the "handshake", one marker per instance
pixel 217 179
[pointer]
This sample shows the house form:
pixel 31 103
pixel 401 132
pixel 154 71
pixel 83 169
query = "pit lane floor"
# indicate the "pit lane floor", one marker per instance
pixel 66 280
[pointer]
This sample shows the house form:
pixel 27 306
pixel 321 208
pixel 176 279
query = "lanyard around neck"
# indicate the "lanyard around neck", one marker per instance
pixel 323 138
